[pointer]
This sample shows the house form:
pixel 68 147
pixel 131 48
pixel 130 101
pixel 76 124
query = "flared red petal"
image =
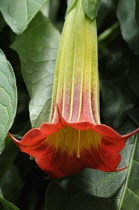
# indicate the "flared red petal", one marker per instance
pixel 64 148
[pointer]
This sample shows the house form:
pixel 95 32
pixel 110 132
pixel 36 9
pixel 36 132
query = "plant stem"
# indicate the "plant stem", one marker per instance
pixel 108 32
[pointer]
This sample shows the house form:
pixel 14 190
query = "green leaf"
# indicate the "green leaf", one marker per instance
pixel 92 188
pixel 2 21
pixel 71 4
pixel 130 195
pixel 1 195
pixel 53 9
pixel 134 115
pixel 117 96
pixel 37 49
pixel 18 13
pixel 8 98
pixel 12 181
pixel 117 100
pixel 7 205
pixel 137 12
pixel 133 75
pixel 104 9
pixel 90 8
pixel 73 197
pixel 129 27
pixel 8 156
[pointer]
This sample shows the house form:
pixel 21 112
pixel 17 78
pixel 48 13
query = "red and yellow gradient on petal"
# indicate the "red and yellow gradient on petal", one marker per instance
pixel 63 148
pixel 74 139
pixel 76 88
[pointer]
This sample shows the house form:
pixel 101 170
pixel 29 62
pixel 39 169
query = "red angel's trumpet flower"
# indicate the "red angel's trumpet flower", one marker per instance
pixel 74 139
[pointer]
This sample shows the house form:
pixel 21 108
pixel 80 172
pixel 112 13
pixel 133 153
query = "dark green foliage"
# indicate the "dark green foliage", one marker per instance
pixel 31 56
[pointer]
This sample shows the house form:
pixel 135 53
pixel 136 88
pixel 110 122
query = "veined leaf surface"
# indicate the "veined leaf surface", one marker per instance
pixel 129 26
pixel 37 49
pixel 8 98
pixel 18 13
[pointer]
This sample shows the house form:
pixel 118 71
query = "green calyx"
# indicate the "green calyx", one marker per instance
pixel 90 7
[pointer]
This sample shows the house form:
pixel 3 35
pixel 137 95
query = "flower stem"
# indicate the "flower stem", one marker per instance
pixel 108 32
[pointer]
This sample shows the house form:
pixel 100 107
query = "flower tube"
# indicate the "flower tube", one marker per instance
pixel 74 139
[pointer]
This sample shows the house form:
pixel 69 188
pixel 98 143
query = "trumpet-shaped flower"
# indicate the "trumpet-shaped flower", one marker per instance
pixel 74 139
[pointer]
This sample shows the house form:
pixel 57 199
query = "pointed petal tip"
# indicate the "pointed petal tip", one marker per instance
pixel 120 169
pixel 12 137
pixel 131 133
